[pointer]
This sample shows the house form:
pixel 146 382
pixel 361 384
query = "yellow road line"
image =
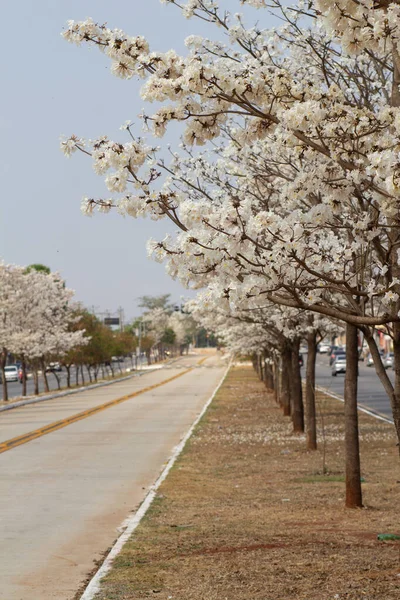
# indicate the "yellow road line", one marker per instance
pixel 37 433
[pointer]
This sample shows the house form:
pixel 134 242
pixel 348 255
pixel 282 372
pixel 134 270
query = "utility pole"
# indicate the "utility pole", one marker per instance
pixel 121 318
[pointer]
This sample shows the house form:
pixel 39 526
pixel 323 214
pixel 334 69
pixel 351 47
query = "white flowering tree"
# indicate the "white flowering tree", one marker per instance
pixel 300 203
pixel 36 311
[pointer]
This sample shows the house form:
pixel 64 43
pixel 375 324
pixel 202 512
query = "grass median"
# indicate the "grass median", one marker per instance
pixel 248 514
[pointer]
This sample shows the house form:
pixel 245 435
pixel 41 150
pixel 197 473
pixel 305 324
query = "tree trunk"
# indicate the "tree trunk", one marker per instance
pixel 3 375
pixel 82 375
pixel 36 381
pixel 311 422
pixel 77 375
pixel 352 449
pixel 285 379
pixel 57 379
pixel 395 398
pixel 68 367
pixel 296 391
pixel 23 368
pixel 393 392
pixel 275 381
pixel 45 380
pixel 262 366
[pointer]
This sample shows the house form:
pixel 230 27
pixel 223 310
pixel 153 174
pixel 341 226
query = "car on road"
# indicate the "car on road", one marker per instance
pixel 301 360
pixel 11 373
pixel 339 364
pixel 334 352
pixel 117 359
pixel 388 360
pixel 324 348
pixel 53 366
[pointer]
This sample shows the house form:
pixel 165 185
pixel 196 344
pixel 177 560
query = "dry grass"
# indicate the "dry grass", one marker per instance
pixel 246 513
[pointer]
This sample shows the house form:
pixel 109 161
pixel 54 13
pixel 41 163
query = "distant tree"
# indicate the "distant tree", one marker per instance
pixel 169 337
pixel 152 302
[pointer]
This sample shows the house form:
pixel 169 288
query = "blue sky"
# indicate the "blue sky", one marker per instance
pixel 51 88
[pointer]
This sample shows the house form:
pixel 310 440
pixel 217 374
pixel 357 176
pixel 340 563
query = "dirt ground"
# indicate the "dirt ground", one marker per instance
pixel 247 513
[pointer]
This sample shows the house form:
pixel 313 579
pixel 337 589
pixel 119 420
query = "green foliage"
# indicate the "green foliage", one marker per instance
pixel 38 267
pixel 103 343
pixel 152 302
pixel 169 337
pixel 205 339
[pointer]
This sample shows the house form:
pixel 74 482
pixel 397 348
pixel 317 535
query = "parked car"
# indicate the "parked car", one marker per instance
pixel 11 373
pixel 339 364
pixel 334 352
pixel 301 360
pixel 53 366
pixel 388 360
pixel 324 348
pixel 117 359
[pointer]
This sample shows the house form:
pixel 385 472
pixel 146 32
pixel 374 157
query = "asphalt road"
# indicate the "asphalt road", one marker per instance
pixel 15 388
pixel 370 389
pixel 65 494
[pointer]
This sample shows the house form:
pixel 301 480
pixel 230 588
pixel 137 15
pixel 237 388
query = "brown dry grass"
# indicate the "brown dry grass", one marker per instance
pixel 247 515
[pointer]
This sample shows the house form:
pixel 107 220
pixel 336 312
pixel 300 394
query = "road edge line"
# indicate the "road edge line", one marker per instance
pixel 83 388
pixel 360 407
pixel 132 522
pixel 91 386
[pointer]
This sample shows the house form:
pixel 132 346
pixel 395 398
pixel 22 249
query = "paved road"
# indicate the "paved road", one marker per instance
pixel 15 388
pixel 64 495
pixel 370 389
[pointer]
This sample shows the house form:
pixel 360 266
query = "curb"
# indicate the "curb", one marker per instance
pixel 360 407
pixel 92 386
pixel 132 522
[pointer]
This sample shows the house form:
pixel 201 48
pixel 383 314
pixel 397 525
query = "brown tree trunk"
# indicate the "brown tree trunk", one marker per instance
pixel 296 391
pixel 395 398
pixel 82 375
pixel 3 361
pixel 77 375
pixel 393 392
pixel 262 367
pixel 285 379
pixel 36 381
pixel 68 367
pixel 275 375
pixel 352 449
pixel 45 380
pixel 23 368
pixel 57 379
pixel 311 422
pixel 269 379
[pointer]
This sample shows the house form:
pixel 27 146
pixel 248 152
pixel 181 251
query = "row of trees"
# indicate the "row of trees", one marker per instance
pixel 41 324
pixel 36 319
pixel 290 211
pixel 164 328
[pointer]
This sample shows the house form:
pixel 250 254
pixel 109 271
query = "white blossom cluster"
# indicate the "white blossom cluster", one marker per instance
pixel 286 188
pixel 35 314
